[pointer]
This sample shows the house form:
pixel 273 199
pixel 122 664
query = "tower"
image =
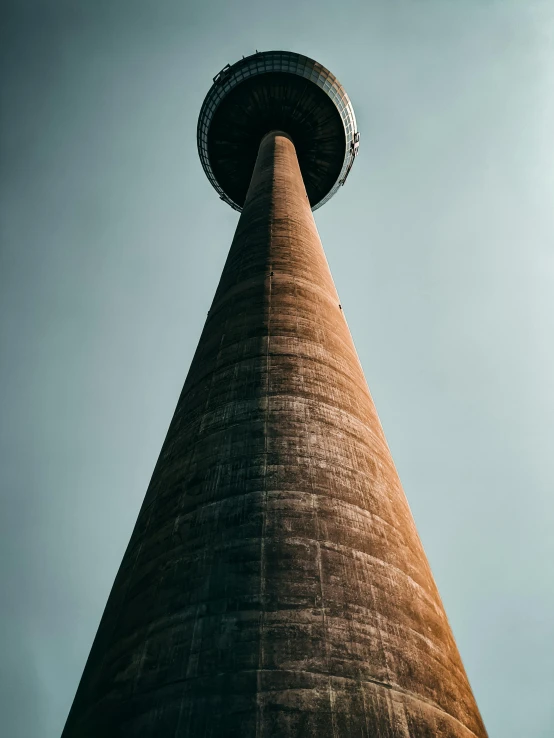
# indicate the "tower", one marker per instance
pixel 274 585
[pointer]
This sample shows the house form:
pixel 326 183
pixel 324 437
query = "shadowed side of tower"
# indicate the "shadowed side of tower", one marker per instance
pixel 274 585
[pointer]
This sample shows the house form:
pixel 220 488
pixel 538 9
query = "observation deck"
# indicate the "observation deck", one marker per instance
pixel 277 90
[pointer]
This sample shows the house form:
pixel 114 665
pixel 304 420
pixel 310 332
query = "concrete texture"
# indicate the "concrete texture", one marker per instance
pixel 275 585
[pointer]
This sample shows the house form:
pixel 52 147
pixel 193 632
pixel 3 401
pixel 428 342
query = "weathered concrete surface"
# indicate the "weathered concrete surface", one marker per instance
pixel 275 585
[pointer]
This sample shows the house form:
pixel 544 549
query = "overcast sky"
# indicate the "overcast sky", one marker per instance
pixel 442 248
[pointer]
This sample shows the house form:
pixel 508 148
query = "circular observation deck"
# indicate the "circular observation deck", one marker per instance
pixel 276 90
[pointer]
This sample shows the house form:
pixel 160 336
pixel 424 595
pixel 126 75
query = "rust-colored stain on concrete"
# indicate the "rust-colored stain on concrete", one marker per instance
pixel 275 585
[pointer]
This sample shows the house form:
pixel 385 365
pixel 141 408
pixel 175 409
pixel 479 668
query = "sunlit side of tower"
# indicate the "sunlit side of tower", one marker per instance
pixel 274 585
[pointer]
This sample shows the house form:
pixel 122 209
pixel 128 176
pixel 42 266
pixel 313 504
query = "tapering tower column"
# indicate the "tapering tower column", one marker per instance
pixel 274 585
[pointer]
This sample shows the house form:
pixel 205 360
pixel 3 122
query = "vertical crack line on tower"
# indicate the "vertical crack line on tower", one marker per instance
pixel 185 676
pixel 261 651
pixel 315 507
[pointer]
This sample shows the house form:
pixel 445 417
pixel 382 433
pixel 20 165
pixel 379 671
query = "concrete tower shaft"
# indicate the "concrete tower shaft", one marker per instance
pixel 274 585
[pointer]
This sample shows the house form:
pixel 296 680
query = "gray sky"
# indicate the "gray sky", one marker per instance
pixel 442 248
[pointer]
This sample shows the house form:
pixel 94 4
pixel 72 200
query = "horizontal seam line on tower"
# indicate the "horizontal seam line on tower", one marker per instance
pixel 238 287
pixel 350 434
pixel 351 349
pixel 263 453
pixel 330 544
pixel 385 685
pixel 235 362
pixel 186 390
